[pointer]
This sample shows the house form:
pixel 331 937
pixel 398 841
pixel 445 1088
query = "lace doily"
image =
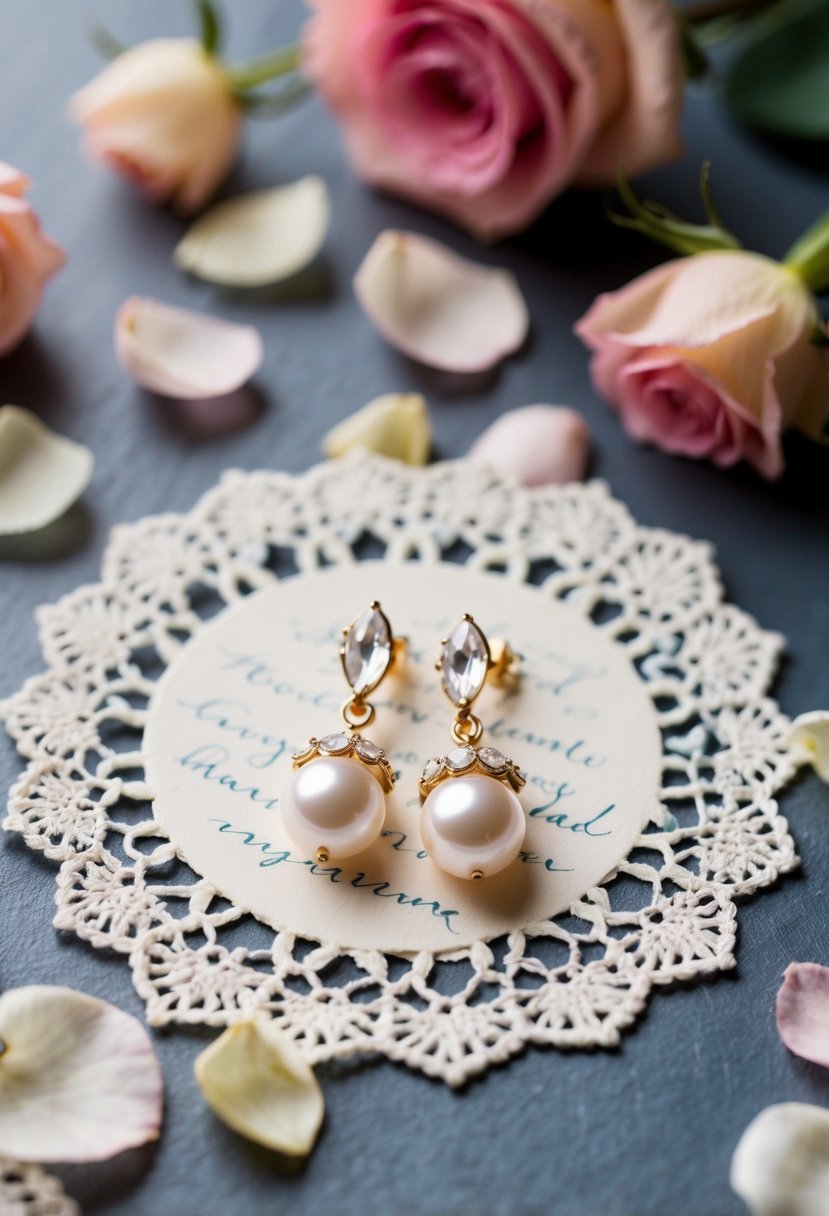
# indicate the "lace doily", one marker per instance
pixel 25 1190
pixel 665 913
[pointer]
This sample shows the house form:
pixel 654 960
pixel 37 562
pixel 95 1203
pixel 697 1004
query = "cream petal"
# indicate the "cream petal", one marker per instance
pixel 395 425
pixel 181 353
pixel 810 736
pixel 41 473
pixel 439 308
pixel 537 445
pixel 79 1080
pixel 258 238
pixel 802 1010
pixel 257 1082
pixel 781 1164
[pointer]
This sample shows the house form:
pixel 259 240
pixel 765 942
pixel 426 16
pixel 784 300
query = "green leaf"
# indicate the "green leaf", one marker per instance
pixel 106 44
pixel 780 81
pixel 210 27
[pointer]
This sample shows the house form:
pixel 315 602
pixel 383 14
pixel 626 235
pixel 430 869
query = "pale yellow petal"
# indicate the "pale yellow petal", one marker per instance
pixel 257 1082
pixel 79 1080
pixel 258 238
pixel 781 1165
pixel 394 425
pixel 41 474
pixel 810 736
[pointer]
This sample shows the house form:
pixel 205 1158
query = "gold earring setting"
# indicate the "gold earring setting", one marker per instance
pixel 471 823
pixel 334 805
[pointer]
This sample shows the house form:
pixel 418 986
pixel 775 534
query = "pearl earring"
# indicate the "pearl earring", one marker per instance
pixel 334 805
pixel 472 824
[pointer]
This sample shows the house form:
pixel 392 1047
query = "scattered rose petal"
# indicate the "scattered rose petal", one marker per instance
pixel 395 425
pixel 79 1080
pixel 181 353
pixel 537 445
pixel 810 734
pixel 439 308
pixel 803 1011
pixel 257 1082
pixel 258 238
pixel 781 1165
pixel 41 473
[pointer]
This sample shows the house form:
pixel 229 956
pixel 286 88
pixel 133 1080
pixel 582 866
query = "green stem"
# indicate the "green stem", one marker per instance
pixel 714 10
pixel 210 30
pixel 279 63
pixel 809 257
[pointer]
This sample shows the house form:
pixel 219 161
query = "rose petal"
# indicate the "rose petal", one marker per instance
pixel 781 1165
pixel 437 307
pixel 41 473
pixel 258 238
pixel 181 353
pixel 257 1082
pixel 537 445
pixel 79 1080
pixel 395 425
pixel 810 734
pixel 802 1009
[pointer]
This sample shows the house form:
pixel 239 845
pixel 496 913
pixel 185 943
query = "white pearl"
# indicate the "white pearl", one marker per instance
pixel 333 803
pixel 472 824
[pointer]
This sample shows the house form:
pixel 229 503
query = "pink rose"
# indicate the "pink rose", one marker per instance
pixel 163 114
pixel 27 259
pixel 487 109
pixel 712 355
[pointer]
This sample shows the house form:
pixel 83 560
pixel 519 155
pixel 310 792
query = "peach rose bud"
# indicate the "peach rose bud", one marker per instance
pixel 163 115
pixel 712 356
pixel 27 259
pixel 537 445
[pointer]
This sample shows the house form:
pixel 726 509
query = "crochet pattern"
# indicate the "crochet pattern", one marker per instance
pixel 667 912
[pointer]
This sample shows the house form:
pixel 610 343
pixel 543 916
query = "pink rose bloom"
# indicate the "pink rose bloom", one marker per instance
pixel 163 115
pixel 27 259
pixel 712 356
pixel 486 109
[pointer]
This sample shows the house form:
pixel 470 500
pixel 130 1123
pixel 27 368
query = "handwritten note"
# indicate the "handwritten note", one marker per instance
pixel 264 676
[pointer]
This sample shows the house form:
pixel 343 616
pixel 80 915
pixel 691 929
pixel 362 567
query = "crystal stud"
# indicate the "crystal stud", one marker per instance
pixel 464 663
pixel 367 650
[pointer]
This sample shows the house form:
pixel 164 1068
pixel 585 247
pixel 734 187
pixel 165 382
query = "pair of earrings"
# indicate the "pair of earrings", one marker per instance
pixel 471 823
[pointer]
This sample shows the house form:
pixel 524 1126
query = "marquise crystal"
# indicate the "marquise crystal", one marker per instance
pixel 367 650
pixel 464 663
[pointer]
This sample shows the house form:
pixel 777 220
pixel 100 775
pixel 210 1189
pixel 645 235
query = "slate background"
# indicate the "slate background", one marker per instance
pixel 643 1131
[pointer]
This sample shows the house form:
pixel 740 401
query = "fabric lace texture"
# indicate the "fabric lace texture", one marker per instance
pixel 666 913
pixel 25 1190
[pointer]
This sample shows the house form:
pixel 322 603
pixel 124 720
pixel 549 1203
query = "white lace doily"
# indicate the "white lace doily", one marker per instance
pixel 665 913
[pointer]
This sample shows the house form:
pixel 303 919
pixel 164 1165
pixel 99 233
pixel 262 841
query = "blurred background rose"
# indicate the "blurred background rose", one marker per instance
pixel 485 110
pixel 27 259
pixel 712 356
pixel 163 114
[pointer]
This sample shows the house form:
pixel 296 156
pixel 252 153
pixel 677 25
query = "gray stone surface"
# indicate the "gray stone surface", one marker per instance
pixel 643 1131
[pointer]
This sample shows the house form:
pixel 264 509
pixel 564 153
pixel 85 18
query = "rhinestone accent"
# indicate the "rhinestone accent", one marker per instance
pixel 332 745
pixel 460 758
pixel 368 751
pixel 492 758
pixel 367 651
pixel 464 663
pixel 433 767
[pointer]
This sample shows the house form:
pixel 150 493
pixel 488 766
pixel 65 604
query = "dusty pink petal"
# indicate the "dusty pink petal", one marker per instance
pixel 181 353
pixel 79 1080
pixel 802 1009
pixel 645 130
pixel 439 308
pixel 537 445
